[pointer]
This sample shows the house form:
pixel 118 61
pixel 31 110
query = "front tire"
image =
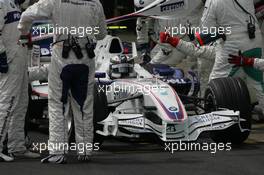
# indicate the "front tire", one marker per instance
pixel 233 94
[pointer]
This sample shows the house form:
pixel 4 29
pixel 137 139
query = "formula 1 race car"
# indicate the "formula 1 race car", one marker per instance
pixel 144 100
pixel 133 99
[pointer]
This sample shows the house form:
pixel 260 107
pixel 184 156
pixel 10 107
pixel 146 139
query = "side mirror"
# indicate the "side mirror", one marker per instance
pixel 164 72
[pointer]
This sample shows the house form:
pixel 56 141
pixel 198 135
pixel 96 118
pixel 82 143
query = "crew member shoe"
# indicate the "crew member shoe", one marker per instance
pixel 5 158
pixel 56 159
pixel 25 154
pixel 85 158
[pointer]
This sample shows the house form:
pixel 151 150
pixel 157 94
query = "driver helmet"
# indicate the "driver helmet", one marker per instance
pixel 121 66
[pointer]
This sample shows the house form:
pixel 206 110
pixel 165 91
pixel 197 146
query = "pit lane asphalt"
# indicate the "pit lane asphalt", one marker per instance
pixel 125 158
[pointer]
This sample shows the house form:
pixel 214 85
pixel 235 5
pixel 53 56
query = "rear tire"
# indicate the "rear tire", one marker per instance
pixel 233 94
pixel 101 112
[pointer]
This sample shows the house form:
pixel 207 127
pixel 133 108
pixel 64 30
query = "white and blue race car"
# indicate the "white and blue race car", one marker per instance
pixel 160 100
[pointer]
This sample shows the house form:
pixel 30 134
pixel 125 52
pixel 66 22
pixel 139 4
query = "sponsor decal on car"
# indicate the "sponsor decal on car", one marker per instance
pixel 138 122
pixel 171 128
pixel 172 6
pixel 45 50
pixel 206 118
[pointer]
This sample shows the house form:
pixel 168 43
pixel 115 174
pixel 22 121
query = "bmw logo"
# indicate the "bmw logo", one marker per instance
pixel 173 109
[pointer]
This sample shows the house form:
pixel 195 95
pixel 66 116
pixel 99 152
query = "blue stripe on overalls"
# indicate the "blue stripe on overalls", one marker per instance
pixel 13 16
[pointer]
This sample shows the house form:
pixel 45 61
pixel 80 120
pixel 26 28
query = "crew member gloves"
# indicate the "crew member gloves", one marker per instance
pixel 239 60
pixel 166 38
pixel 3 63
